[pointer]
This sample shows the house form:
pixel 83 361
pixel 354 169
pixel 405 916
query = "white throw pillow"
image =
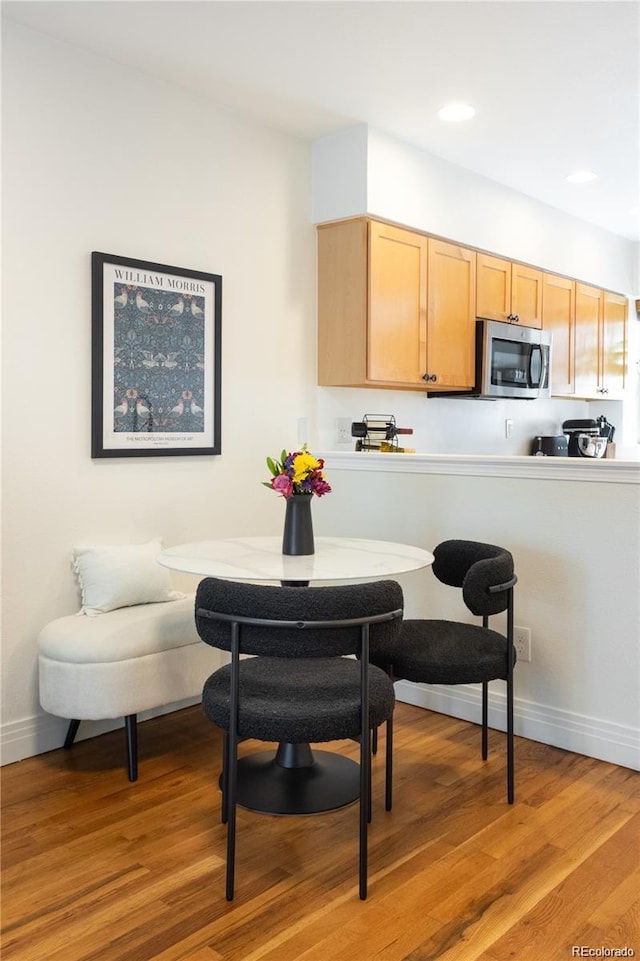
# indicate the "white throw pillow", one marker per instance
pixel 113 577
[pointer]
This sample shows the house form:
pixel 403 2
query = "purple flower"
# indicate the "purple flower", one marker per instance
pixel 319 486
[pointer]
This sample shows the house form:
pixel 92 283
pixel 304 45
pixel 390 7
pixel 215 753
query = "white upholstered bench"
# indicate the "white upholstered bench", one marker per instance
pixel 121 663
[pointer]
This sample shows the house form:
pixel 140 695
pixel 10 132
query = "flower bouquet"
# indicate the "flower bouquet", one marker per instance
pixel 297 473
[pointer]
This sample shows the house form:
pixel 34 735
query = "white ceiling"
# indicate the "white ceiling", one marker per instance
pixel 555 84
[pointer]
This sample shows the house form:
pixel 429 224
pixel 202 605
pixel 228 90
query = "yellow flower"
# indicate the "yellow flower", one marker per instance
pixel 303 465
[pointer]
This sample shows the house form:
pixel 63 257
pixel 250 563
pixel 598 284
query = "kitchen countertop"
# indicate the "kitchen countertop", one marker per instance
pixel 602 470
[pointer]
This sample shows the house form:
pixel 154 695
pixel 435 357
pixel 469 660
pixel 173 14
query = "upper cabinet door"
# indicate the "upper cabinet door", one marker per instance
pixel 451 321
pixel 511 293
pixel 526 295
pixel 397 342
pixel 493 288
pixel 613 345
pixel 600 355
pixel 587 349
pixel 558 317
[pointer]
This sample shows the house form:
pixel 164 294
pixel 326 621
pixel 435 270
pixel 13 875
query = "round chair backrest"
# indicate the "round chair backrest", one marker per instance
pixel 475 567
pixel 296 604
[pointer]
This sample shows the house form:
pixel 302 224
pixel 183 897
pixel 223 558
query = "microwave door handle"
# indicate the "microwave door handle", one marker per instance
pixel 544 354
pixel 540 380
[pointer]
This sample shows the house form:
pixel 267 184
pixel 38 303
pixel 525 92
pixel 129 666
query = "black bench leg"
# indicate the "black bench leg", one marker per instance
pixel 130 723
pixel 71 733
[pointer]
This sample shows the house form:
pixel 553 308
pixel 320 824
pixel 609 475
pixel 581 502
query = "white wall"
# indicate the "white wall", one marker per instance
pixel 98 157
pixel 406 185
pixel 340 174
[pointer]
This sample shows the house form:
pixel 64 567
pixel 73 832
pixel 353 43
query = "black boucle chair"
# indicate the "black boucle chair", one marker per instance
pixel 298 687
pixel 452 652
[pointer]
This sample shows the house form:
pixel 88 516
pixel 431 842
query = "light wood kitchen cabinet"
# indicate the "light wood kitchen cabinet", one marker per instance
pixel 372 305
pixel 375 325
pixel 614 345
pixel 493 288
pixel 526 295
pixel 508 292
pixel 587 327
pixel 451 322
pixel 559 317
pixel 397 305
pixel 600 343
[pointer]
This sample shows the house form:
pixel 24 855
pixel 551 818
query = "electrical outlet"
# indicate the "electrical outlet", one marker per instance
pixel 343 430
pixel 508 428
pixel 522 643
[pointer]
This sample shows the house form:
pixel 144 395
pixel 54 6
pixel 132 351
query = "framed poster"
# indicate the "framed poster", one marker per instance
pixel 155 359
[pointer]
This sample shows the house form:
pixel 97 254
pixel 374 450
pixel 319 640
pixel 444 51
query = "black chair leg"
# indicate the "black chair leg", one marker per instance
pixel 224 815
pixel 231 786
pixel 388 789
pixel 374 741
pixel 510 745
pixel 369 788
pixel 130 723
pixel 485 720
pixel 71 733
pixel 365 774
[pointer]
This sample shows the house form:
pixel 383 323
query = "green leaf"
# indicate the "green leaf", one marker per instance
pixel 273 466
pixel 283 456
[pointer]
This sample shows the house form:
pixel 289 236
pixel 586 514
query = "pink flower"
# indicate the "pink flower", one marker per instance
pixel 282 484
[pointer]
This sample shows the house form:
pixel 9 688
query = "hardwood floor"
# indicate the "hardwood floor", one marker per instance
pixel 97 868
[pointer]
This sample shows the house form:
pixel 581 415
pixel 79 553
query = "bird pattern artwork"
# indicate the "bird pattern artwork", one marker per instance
pixel 158 361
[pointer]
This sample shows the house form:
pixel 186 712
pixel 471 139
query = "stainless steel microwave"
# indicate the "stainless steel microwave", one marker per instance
pixel 512 361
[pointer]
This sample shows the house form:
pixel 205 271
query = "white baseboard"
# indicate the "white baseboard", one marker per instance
pixel 44 732
pixel 572 732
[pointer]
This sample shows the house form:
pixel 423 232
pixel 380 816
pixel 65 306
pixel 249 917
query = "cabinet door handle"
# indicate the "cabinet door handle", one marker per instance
pixel 429 377
pixel 513 318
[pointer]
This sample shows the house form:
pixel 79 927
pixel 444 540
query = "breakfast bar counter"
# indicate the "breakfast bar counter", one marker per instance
pixel 615 471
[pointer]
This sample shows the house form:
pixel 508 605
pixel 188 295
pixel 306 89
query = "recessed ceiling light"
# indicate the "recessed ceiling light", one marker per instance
pixel 455 112
pixel 581 177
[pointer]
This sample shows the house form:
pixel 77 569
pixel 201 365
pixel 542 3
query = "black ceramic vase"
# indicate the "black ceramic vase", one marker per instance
pixel 298 525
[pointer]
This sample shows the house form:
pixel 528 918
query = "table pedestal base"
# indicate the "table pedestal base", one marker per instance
pixel 296 780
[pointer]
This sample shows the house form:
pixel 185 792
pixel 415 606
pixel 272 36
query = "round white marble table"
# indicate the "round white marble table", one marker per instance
pixel 295 780
pixel 261 559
